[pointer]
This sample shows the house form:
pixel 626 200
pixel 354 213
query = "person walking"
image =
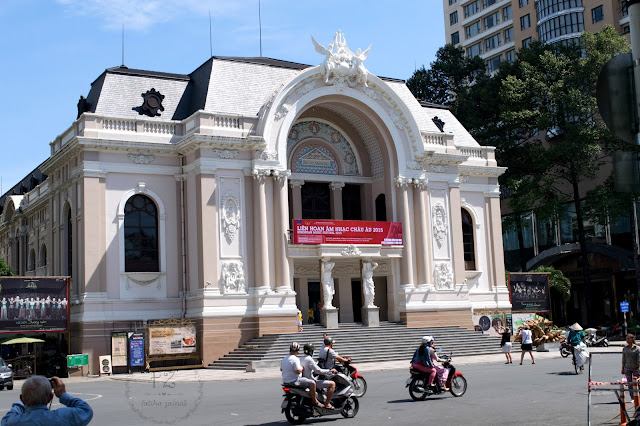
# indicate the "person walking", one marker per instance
pixel 631 360
pixel 505 343
pixel 527 344
pixel 299 321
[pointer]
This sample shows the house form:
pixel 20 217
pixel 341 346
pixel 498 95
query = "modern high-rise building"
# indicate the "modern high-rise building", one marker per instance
pixel 496 29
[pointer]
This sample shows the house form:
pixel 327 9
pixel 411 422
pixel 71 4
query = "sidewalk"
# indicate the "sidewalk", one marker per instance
pixel 207 375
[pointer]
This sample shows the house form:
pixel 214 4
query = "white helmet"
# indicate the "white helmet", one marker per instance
pixel 427 339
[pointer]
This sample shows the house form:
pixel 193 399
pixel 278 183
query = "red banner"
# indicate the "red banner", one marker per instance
pixel 320 231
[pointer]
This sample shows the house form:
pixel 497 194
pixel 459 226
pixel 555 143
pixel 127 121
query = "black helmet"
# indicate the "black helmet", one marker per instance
pixel 295 347
pixel 328 341
pixel 309 348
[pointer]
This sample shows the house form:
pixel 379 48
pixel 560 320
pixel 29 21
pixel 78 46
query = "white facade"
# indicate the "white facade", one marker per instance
pixel 225 166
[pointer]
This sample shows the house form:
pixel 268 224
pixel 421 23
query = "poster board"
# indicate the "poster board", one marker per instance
pixel 119 349
pixel 172 344
pixel 34 304
pixel 172 340
pixel 136 350
pixel 322 231
pixel 489 323
pixel 529 292
pixel 105 364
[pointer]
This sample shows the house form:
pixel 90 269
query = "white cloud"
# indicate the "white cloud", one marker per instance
pixel 141 15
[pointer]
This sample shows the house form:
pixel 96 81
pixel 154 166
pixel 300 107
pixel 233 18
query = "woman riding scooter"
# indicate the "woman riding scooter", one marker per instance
pixel 422 360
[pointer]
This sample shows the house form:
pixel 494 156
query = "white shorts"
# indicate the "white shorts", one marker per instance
pixel 506 348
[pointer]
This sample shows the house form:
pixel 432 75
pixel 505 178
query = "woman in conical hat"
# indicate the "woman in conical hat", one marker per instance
pixel 576 327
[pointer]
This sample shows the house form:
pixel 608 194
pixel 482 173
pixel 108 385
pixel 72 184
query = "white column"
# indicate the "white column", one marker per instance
pixel 261 243
pixel 282 223
pixel 336 200
pixel 420 209
pixel 296 194
pixel 406 264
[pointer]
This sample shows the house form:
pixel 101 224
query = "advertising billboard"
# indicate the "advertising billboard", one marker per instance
pixel 320 231
pixel 172 340
pixel 33 304
pixel 529 292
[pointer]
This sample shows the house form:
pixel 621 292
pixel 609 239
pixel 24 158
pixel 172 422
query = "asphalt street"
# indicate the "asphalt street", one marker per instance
pixel 542 394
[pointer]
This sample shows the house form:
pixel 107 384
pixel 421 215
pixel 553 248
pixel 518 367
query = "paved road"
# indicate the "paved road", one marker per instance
pixel 542 394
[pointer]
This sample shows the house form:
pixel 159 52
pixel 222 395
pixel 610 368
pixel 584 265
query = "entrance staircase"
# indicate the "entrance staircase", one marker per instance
pixel 389 342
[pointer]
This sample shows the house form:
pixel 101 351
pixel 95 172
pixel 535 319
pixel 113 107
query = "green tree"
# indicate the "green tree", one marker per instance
pixel 451 74
pixel 5 270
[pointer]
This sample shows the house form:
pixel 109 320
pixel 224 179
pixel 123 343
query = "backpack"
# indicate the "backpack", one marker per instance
pixel 322 363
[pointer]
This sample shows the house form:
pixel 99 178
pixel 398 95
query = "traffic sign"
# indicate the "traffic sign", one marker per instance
pixel 624 306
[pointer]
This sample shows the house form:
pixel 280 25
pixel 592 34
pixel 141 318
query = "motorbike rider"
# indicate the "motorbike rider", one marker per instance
pixel 575 335
pixel 441 372
pixel 309 367
pixel 422 360
pixel 328 356
pixel 292 373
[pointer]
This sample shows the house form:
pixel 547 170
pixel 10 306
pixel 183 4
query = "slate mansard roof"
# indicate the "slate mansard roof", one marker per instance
pixel 233 85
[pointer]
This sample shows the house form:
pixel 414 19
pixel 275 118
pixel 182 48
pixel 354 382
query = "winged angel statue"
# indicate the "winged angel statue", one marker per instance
pixel 341 66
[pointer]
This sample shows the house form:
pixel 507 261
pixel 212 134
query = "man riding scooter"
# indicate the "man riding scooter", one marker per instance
pixel 292 373
pixel 328 356
pixel 309 367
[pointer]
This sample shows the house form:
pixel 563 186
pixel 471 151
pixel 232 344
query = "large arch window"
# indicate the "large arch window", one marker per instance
pixel 468 241
pixel 141 235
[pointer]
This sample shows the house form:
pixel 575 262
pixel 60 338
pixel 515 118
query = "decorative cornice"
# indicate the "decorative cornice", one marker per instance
pixel 141 158
pixel 226 153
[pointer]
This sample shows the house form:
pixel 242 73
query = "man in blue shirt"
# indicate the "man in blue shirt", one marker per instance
pixel 36 394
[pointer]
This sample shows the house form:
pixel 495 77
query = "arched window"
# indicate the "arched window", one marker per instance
pixel 141 252
pixel 43 256
pixel 32 260
pixel 468 241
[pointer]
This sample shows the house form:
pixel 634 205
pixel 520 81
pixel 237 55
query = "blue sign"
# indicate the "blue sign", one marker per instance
pixel 624 306
pixel 136 350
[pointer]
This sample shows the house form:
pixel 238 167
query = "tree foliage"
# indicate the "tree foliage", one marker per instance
pixel 5 270
pixel 557 281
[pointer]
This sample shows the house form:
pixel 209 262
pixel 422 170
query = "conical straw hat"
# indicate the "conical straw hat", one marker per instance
pixel 576 327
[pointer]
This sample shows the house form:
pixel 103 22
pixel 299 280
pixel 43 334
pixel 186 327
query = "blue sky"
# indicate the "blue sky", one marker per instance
pixel 52 50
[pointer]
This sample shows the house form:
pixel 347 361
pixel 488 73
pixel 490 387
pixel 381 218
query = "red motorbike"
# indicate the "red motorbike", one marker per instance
pixel 419 390
pixel 358 382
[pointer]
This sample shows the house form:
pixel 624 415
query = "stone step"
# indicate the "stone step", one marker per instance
pixel 391 341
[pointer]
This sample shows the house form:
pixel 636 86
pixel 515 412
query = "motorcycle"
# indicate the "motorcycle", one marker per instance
pixel 565 349
pixel 417 382
pixel 297 406
pixel 357 381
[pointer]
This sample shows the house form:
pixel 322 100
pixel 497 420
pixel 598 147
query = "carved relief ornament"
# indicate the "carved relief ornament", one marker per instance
pixel 232 276
pixel 141 158
pixel 439 220
pixel 443 276
pixel 230 216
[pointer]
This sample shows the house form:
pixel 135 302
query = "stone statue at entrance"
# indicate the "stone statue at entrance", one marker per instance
pixel 367 277
pixel 328 288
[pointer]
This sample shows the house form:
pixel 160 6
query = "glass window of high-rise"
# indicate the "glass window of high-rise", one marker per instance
pixel 494 63
pixel 597 14
pixel 510 56
pixel 491 20
pixel 492 42
pixel 508 35
pixel 549 7
pixel 487 3
pixel 624 8
pixel 473 29
pixel 626 29
pixel 474 50
pixel 526 42
pixel 523 3
pixel 451 2
pixel 453 18
pixel 507 13
pixel 471 9
pixel 525 21
pixel 561 25
pixel 455 38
